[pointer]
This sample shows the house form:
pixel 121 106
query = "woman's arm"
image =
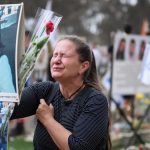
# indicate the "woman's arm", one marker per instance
pixel 89 130
pixel 28 104
pixel 58 133
pixel 30 99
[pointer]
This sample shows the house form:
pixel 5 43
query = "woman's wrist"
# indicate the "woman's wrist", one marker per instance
pixel 49 122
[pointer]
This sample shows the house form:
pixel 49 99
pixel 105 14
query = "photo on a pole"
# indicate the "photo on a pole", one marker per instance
pixel 128 55
pixel 9 31
pixel 9 17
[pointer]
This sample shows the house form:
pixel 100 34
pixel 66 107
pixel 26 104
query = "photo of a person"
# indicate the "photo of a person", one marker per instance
pixel 132 49
pixel 8 31
pixel 8 24
pixel 141 52
pixel 120 55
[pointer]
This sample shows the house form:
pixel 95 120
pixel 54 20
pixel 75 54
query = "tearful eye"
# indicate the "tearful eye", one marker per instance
pixel 61 55
pixel 64 55
pixel 55 55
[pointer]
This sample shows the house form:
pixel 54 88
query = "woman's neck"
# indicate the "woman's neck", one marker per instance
pixel 70 90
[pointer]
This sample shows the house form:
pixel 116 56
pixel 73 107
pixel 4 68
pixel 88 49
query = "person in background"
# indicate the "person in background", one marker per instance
pixel 97 56
pixel 128 29
pixel 107 78
pixel 72 113
pixel 27 39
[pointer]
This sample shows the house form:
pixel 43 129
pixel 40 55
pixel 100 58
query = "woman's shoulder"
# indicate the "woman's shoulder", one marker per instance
pixel 94 92
pixel 43 84
pixel 94 95
pixel 93 101
pixel 43 88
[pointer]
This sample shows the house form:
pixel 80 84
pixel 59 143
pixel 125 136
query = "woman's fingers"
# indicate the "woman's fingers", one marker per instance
pixel 42 101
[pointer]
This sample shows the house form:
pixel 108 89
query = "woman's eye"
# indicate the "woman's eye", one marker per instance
pixel 64 55
pixel 55 55
pixel 61 55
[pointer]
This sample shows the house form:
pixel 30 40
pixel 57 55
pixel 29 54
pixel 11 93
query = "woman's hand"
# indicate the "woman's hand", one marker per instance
pixel 44 112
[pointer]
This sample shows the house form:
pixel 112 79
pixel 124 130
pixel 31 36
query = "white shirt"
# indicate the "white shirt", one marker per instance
pixel 97 56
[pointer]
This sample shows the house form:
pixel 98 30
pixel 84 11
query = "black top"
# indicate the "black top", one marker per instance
pixel 86 116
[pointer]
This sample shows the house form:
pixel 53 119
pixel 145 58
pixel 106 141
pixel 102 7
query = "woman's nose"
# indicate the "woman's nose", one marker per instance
pixel 57 59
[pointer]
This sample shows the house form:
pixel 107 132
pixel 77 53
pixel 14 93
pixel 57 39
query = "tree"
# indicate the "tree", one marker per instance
pixel 93 19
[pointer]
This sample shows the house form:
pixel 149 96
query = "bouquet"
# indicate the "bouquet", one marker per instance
pixel 46 22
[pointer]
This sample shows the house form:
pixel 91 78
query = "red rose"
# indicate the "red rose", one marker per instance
pixel 49 27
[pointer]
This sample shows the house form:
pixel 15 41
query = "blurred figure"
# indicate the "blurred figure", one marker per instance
pixel 107 78
pixel 97 56
pixel 27 39
pixel 128 29
pixel 128 106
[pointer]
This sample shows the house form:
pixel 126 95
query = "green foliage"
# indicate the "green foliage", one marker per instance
pixel 76 14
pixel 20 144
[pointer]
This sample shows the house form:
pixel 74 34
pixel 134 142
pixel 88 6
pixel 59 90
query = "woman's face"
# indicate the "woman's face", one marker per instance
pixel 65 64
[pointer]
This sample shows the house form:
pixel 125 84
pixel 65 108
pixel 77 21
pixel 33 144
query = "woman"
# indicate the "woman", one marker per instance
pixel 72 113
